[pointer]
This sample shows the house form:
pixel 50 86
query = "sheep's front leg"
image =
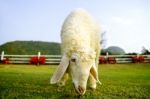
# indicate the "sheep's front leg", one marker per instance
pixel 92 82
pixel 63 80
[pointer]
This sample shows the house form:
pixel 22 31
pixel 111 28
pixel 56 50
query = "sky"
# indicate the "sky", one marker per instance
pixel 125 22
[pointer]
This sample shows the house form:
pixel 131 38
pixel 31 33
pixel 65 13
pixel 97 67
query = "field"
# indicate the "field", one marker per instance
pixel 32 82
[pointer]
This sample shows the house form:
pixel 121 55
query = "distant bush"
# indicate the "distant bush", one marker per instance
pixel 138 59
pixel 37 60
pixel 132 53
pixel 5 61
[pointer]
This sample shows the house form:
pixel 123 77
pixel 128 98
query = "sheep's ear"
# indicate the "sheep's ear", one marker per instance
pixel 61 69
pixel 94 73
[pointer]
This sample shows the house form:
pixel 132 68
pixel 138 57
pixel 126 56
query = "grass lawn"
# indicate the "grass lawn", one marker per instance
pixel 32 82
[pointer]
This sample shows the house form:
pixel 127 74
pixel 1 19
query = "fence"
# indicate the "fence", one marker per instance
pixel 112 59
pixel 29 59
pixel 55 59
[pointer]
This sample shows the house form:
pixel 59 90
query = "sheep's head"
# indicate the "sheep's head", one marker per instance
pixel 79 69
pixel 79 64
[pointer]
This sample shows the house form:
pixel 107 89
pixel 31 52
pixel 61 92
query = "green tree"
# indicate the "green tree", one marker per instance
pixel 145 51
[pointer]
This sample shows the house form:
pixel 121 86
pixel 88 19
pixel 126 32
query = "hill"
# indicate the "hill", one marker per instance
pixel 31 47
pixel 113 50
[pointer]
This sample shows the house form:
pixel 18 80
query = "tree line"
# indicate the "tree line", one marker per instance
pixel 31 48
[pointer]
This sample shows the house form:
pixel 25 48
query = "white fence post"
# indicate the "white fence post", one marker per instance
pixel 2 55
pixel 107 54
pixel 39 54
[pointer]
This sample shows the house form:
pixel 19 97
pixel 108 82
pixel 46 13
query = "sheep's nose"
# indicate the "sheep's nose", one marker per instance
pixel 81 90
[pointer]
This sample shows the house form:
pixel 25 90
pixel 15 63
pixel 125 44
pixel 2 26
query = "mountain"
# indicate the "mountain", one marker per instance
pixel 31 48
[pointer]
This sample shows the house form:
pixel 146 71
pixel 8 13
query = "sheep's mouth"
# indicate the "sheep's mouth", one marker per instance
pixel 79 90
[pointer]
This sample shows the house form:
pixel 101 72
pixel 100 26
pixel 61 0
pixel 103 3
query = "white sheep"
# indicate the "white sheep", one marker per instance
pixel 80 51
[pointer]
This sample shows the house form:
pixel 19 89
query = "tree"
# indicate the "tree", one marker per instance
pixel 103 40
pixel 145 51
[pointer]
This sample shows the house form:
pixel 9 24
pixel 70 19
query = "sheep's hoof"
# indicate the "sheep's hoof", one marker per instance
pixel 93 86
pixel 61 84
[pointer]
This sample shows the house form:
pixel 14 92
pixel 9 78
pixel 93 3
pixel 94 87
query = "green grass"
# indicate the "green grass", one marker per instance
pixel 118 81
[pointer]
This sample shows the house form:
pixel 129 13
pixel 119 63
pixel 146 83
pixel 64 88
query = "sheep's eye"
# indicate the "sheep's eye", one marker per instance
pixel 73 60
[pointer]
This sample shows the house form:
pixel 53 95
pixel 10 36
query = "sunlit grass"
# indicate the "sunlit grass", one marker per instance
pixel 118 81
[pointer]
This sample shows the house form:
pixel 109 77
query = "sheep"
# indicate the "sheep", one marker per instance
pixel 80 51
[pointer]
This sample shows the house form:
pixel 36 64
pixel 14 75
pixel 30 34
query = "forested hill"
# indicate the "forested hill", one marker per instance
pixel 30 48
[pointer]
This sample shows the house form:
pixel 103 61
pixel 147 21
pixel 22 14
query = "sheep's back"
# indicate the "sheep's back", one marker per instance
pixel 79 30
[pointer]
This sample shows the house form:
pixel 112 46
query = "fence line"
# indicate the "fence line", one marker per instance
pixel 26 59
pixel 125 59
pixel 55 59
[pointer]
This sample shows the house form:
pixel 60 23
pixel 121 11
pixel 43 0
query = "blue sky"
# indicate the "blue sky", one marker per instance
pixel 126 22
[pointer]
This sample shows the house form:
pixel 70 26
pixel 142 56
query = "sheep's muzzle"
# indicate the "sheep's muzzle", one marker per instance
pixel 80 90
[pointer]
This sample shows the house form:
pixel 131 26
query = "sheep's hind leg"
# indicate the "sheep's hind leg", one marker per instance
pixel 63 80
